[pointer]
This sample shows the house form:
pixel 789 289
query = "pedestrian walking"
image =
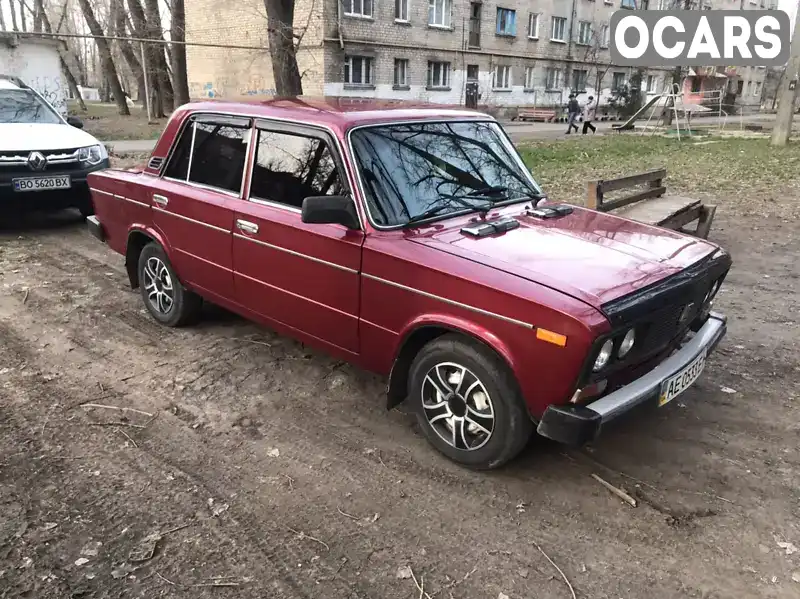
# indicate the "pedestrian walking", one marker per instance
pixel 573 109
pixel 589 114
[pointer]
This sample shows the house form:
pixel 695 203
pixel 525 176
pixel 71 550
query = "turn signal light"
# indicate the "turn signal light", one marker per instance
pixel 551 337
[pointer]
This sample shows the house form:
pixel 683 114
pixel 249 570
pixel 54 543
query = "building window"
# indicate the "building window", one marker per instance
pixel 627 4
pixel 584 32
pixel 358 70
pixel 558 30
pixel 401 72
pixel 604 37
pixel 651 83
pixel 757 88
pixel 529 77
pixel 439 12
pixel 506 22
pixel 618 81
pixel 533 26
pixel 501 78
pixel 579 80
pixel 358 8
pixel 697 85
pixel 439 74
pixel 401 10
pixel 553 78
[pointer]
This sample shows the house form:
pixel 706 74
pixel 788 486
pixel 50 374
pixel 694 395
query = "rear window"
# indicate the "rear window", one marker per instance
pixel 23 106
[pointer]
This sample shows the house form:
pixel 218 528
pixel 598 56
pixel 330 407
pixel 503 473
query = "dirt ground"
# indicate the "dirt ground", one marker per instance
pixel 247 465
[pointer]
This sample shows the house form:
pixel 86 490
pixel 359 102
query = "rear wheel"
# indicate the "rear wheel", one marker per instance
pixel 167 300
pixel 467 403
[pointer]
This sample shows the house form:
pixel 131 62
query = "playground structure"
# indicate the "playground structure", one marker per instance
pixel 672 100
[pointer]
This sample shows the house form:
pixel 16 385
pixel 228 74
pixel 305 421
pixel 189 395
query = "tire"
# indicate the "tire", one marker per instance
pixel 167 300
pixel 500 410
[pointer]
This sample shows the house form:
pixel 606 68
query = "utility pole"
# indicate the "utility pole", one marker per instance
pixel 788 92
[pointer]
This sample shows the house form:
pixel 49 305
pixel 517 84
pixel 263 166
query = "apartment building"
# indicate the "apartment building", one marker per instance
pixel 500 53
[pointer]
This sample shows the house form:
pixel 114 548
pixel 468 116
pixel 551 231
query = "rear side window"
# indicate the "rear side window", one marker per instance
pixel 211 154
pixel 290 167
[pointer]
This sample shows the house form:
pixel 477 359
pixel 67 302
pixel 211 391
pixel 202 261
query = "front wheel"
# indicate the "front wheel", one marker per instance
pixel 468 404
pixel 167 300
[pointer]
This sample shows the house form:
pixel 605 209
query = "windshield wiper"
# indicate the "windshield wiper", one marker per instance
pixel 441 208
pixel 488 191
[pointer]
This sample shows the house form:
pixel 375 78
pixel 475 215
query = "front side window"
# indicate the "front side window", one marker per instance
pixel 439 12
pixel 501 78
pixel 210 154
pixel 415 170
pixel 358 8
pixel 291 167
pixel 358 70
pixel 438 74
pixel 559 29
pixel 506 22
pixel 23 106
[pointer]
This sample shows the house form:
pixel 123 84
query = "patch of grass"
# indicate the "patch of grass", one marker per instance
pixel 745 176
pixel 106 124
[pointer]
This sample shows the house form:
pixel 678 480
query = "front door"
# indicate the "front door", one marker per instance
pixel 193 201
pixel 303 276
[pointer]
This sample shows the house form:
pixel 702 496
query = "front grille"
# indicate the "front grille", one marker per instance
pixel 661 314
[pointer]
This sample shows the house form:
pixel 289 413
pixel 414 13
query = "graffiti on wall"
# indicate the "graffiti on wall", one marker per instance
pixel 51 90
pixel 222 87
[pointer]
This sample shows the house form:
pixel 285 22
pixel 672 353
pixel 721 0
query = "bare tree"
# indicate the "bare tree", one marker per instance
pixel 106 59
pixel 154 31
pixel 22 15
pixel 45 22
pixel 2 18
pixel 282 48
pixel 596 58
pixel 178 34
pixel 125 48
pixel 13 15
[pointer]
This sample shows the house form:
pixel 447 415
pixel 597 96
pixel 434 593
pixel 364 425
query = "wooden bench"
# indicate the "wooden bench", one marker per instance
pixel 531 114
pixel 670 211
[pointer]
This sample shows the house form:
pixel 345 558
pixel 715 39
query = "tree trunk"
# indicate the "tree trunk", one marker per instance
pixel 159 62
pixel 73 85
pixel 22 15
pixel 2 18
pixel 127 51
pixel 13 15
pixel 105 57
pixel 280 19
pixel 178 34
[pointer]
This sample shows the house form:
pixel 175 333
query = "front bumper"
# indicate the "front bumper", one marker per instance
pixel 579 424
pixel 76 196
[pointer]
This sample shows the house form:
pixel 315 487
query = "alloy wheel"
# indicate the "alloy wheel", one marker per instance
pixel 158 285
pixel 458 406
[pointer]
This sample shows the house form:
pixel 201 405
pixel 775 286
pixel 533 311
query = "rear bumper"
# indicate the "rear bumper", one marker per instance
pixel 95 228
pixel 576 425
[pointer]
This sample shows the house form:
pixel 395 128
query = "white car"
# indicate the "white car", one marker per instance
pixel 44 158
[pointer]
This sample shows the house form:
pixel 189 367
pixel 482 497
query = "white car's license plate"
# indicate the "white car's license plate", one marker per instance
pixel 42 183
pixel 678 383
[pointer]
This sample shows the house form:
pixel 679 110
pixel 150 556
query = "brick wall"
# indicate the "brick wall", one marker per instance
pixel 231 72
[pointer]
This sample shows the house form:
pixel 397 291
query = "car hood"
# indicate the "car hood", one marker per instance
pixel 26 137
pixel 589 255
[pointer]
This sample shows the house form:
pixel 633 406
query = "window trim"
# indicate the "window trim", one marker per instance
pixel 449 13
pixel 209 117
pixel 504 138
pixel 407 18
pixel 359 15
pixel 532 70
pixel 536 31
pixel 510 12
pixel 312 131
pixel 406 83
pixel 559 83
pixel 552 30
pixel 495 73
pixel 447 85
pixel 580 26
pixel 371 71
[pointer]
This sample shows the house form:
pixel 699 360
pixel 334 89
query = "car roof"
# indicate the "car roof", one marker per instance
pixel 336 112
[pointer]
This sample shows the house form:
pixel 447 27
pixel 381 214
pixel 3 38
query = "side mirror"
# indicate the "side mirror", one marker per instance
pixel 75 122
pixel 330 210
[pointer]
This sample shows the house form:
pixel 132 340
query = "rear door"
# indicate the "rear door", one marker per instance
pixel 305 276
pixel 194 202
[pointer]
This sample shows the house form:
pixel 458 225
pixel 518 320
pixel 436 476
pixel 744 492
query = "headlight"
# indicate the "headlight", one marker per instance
pixel 93 154
pixel 604 356
pixel 627 343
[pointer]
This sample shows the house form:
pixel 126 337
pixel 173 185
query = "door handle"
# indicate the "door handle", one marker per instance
pixel 246 226
pixel 160 200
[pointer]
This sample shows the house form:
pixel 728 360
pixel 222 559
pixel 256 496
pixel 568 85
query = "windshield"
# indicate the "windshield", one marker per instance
pixel 417 169
pixel 23 106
